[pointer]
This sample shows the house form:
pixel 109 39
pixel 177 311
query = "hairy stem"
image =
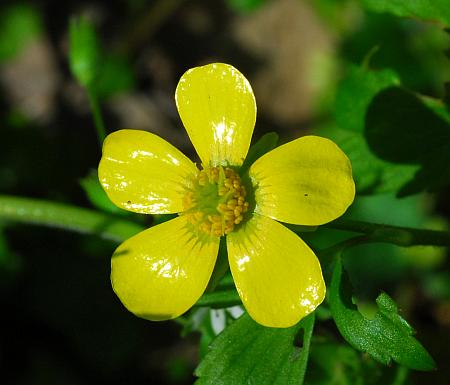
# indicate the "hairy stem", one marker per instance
pixel 397 235
pixel 64 216
pixel 67 217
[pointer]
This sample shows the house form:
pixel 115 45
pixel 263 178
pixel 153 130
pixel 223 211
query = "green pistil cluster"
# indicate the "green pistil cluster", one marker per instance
pixel 216 203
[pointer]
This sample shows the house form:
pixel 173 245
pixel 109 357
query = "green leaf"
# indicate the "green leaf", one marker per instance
pixel 84 52
pixel 355 93
pixel 248 353
pixel 432 10
pixel 372 175
pixel 265 144
pixel 382 132
pixel 402 129
pixel 386 337
pixel 19 24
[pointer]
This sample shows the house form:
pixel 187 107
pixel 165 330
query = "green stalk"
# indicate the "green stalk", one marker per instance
pixel 396 235
pixel 64 216
pixel 67 217
pixel 97 116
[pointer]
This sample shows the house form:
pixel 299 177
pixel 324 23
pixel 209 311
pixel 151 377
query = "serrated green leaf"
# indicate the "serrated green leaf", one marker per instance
pixel 248 353
pixel 431 10
pixel 355 93
pixel 386 337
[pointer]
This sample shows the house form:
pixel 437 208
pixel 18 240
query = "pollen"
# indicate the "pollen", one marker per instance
pixel 216 202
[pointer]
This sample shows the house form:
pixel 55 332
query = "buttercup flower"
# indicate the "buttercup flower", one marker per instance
pixel 161 272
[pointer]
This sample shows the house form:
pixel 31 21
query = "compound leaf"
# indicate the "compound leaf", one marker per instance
pixel 387 337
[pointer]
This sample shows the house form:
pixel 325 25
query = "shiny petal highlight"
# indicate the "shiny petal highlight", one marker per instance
pixel 218 110
pixel 307 182
pixel 277 275
pixel 161 272
pixel 141 172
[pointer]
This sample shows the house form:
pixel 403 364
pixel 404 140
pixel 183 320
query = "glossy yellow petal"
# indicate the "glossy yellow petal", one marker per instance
pixel 218 110
pixel 307 182
pixel 277 275
pixel 141 172
pixel 161 272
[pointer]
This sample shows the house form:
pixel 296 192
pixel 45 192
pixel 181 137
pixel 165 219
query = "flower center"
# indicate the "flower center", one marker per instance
pixel 216 203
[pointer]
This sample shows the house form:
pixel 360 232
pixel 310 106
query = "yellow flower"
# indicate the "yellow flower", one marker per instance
pixel 161 272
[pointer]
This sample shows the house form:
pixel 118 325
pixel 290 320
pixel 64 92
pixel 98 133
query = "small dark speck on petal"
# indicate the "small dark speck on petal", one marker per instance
pixel 129 202
pixel 306 195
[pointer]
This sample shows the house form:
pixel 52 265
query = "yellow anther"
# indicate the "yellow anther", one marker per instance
pixel 215 202
pixel 198 215
pixel 222 207
pixel 232 203
pixel 238 219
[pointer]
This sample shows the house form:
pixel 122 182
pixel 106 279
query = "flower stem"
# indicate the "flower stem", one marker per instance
pixel 64 216
pixel 397 235
pixel 67 217
pixel 97 115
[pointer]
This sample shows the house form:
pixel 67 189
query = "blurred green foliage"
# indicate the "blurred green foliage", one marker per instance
pixel 102 73
pixel 84 53
pixel 19 24
pixel 433 10
pixel 97 195
pixel 245 6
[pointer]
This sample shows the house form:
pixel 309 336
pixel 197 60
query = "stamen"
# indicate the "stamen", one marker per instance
pixel 216 203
